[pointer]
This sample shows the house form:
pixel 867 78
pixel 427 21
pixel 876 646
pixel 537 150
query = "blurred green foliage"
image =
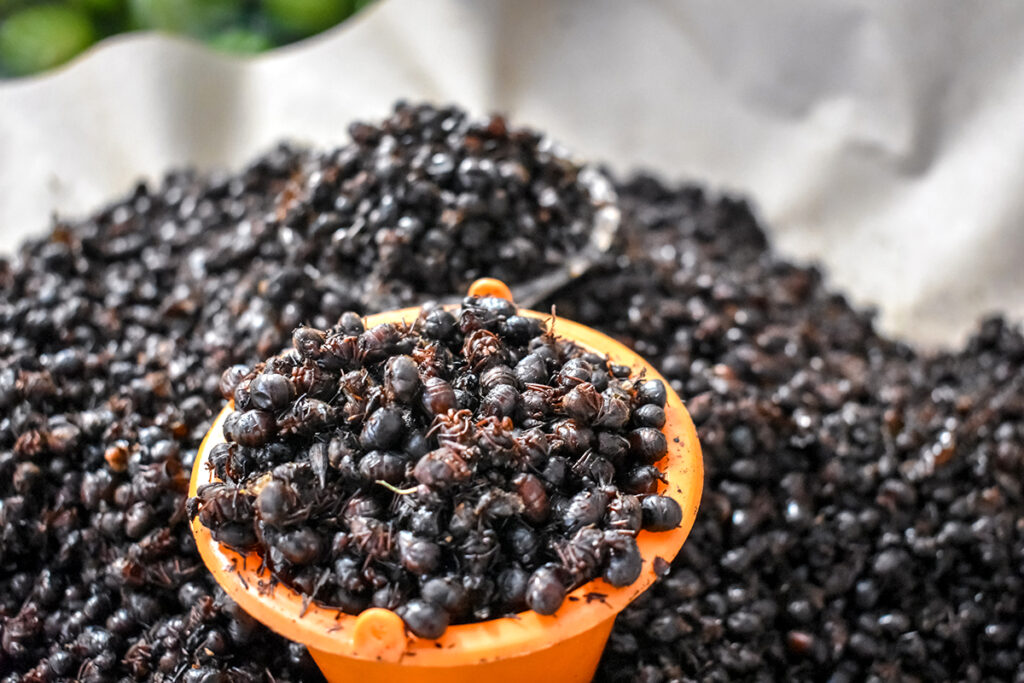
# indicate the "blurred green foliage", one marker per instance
pixel 306 17
pixel 35 36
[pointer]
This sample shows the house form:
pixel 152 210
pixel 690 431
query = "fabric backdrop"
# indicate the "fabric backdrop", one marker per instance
pixel 884 140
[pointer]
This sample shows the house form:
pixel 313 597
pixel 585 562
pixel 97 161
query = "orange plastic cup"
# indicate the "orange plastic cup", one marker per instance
pixel 374 646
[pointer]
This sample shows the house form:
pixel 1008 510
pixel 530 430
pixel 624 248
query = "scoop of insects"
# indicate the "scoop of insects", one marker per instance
pixel 465 466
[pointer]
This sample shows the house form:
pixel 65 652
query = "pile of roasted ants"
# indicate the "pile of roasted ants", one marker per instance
pixel 464 467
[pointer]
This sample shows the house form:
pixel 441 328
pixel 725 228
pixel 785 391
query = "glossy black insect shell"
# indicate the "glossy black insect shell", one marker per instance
pixel 401 378
pixel 661 513
pixel 276 501
pixel 253 428
pixel 624 565
pixel 308 342
pixel 418 555
pixel 652 391
pixel 423 618
pixel 545 591
pixel 270 392
pixel 382 429
pixel 440 325
pixel 650 415
pixel 648 444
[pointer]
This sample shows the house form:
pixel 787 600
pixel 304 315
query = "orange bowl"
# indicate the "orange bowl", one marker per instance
pixel 374 646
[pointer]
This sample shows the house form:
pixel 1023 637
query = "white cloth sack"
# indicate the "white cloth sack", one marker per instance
pixel 884 140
